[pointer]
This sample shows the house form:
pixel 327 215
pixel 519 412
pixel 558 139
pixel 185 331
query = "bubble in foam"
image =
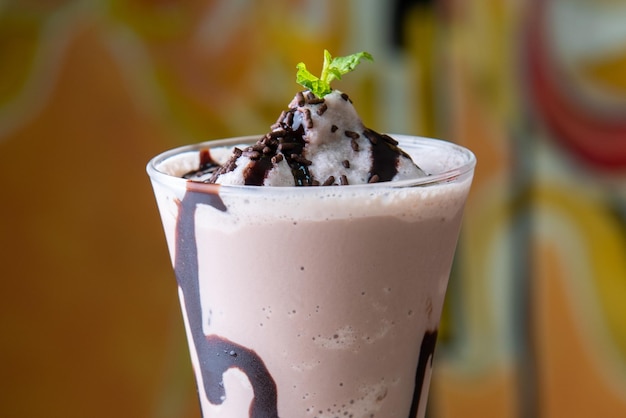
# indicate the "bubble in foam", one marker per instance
pixel 267 312
pixel 367 404
pixel 341 339
pixel 305 366
pixel 384 327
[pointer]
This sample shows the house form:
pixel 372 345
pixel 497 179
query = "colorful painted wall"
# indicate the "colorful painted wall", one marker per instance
pixel 535 323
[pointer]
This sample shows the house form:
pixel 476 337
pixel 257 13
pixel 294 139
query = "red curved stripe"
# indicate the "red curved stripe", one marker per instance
pixel 599 140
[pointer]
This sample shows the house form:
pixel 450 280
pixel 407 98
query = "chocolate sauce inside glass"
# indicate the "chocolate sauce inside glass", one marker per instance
pixel 207 165
pixel 427 352
pixel 215 354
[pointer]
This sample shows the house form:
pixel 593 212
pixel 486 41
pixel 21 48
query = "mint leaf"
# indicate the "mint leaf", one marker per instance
pixel 311 82
pixel 343 65
pixel 333 68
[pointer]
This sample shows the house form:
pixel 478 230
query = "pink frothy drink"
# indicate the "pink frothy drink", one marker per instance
pixel 312 301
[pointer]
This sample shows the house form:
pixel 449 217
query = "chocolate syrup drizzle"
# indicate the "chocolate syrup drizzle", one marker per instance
pixel 385 155
pixel 216 354
pixel 427 352
pixel 287 140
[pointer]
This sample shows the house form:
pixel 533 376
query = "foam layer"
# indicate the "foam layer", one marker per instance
pixel 410 199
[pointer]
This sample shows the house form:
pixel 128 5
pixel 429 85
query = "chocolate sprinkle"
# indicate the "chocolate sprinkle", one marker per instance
pixel 289 119
pixel 300 99
pixel 354 144
pixel 227 167
pixel 345 163
pixel 253 155
pixel 352 134
pixel 323 108
pixel 334 128
pixel 300 159
pixel 329 181
pixel 344 180
pixel 307 118
pixel 287 146
pixel 345 97
pixel 315 100
pixel 374 179
pixel 277 133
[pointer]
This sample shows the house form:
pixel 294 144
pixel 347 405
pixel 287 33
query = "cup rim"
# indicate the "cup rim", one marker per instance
pixel 459 171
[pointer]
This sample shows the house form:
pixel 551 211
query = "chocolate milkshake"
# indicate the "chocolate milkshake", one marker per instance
pixel 312 262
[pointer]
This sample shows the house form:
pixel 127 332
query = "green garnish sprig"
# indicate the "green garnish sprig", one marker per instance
pixel 333 68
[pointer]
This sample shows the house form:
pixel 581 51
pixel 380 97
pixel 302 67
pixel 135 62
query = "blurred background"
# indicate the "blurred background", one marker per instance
pixel 535 322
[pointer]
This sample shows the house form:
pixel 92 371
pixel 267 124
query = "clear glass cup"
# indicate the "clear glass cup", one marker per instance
pixel 313 301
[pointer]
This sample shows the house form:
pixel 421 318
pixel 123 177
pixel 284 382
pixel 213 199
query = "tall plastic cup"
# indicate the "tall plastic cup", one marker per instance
pixel 313 301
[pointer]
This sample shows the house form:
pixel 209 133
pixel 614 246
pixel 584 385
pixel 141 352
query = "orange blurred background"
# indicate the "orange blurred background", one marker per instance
pixel 535 323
